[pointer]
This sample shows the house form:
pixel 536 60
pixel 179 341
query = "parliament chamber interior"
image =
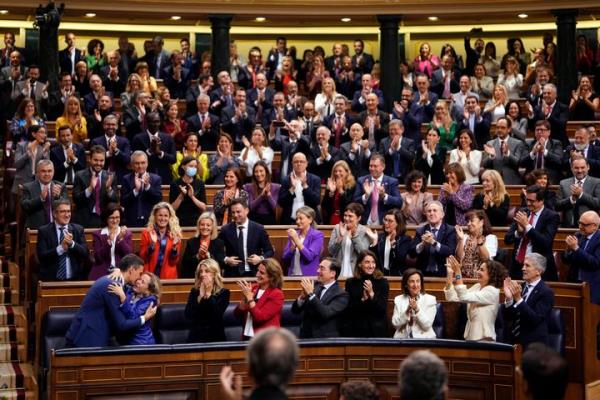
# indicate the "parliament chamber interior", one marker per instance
pixel 260 156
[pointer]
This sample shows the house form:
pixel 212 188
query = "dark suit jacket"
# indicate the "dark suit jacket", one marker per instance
pixel 32 205
pixel 90 102
pixel 312 197
pixel 365 65
pixel 271 114
pixel 84 215
pixel 252 96
pixel 540 236
pixel 534 315
pixel 380 132
pixel 446 237
pixel 322 170
pixel 239 128
pixel 138 208
pixel 552 160
pixel 57 156
pixel 329 122
pixel 399 250
pixel 257 243
pixel 436 170
pixel 206 316
pixel 131 118
pixel 585 265
pixel 322 316
pixel 437 82
pixel 366 318
pixel 176 88
pixel 357 106
pixel 268 392
pixel 360 164
pixel 216 95
pixel 404 157
pixel 558 121
pixel 288 149
pixel 394 200
pixel 482 129
pixel 119 162
pixel 593 158
pixel 90 327
pixel 48 257
pixel 64 60
pixel 115 86
pixel 208 137
pixel 417 115
pixel 157 165
pixel 189 261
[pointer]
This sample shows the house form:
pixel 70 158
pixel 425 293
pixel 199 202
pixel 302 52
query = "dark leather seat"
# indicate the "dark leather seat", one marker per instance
pixel 438 322
pixel 55 325
pixel 171 325
pixel 556 331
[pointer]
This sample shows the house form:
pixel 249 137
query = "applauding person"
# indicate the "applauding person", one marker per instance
pixel 110 243
pixel 232 190
pixel 339 192
pixel 223 160
pixel 160 245
pixel 477 245
pixel 302 251
pixel 414 310
pixel 393 244
pixel 262 195
pixel 187 194
pixel 204 245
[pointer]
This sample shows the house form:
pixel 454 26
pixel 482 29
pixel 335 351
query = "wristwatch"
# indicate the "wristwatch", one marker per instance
pixel 457 277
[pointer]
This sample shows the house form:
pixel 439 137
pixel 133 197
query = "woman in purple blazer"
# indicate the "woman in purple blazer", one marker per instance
pixel 303 249
pixel 110 243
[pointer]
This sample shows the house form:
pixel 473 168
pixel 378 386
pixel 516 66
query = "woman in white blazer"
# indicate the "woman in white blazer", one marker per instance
pixel 414 310
pixel 482 298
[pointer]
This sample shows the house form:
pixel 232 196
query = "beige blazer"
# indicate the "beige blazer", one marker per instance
pixel 482 309
pixel 423 323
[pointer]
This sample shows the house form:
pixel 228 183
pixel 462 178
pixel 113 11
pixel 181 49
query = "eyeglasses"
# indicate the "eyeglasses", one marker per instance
pixel 586 225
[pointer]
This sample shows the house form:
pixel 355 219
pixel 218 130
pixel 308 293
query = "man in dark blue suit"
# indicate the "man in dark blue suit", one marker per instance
pixel 433 242
pixel 61 246
pixel 159 147
pixel 68 157
pixel 359 100
pixel 553 111
pixel 90 100
pixel 533 231
pixel 420 110
pixel 176 76
pixel 261 97
pixel 69 56
pixel 299 188
pixel 583 254
pixel 246 242
pixel 527 308
pixel 117 148
pixel 289 145
pixel 339 123
pixel 205 124
pixel 140 191
pixel 90 327
pixel 399 151
pixel 377 192
pixel 238 119
pixel 279 112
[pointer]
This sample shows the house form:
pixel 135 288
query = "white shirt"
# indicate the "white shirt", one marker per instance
pixel 296 271
pixel 249 327
pixel 346 266
pixel 60 250
pixel 298 195
pixel 245 235
pixel 104 231
pixel 386 254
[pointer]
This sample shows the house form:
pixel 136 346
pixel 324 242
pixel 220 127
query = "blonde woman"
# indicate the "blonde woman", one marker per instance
pixel 134 84
pixel 339 192
pixel 324 100
pixel 160 245
pixel 204 245
pixel 511 79
pixel 496 106
pixel 445 126
pixel 148 82
pixel 494 198
pixel 74 119
pixel 206 304
pixel 256 149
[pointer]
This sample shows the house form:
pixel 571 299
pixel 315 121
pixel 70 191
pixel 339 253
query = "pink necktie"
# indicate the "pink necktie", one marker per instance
pixel 375 202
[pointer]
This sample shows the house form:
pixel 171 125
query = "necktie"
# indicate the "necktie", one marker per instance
pixel 548 110
pixel 375 203
pixel 201 121
pixel 338 132
pixel 432 265
pixel 32 94
pixel 242 252
pixel 524 242
pixel 319 291
pixel 447 94
pixel 396 164
pixel 539 163
pixel 525 294
pixel 97 190
pixel 503 147
pixel 61 273
pixel 48 204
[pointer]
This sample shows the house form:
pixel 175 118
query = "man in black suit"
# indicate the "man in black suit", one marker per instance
pixel 279 112
pixel 222 96
pixel 444 80
pixel 527 308
pixel 323 155
pixel 361 61
pixel 311 120
pixel 114 76
pixel 473 54
pixel 90 100
pixel 159 147
pixel 117 148
pixel 238 119
pixel 205 124
pixel 69 56
pixel 581 146
pixel 299 188
pixel 37 196
pixel 61 248
pixel 374 121
pixel 276 54
pixel 322 302
pixel 420 109
pixel 204 86
pixel 58 99
pixel 399 152
pixel 433 242
pixel 339 122
pixel 359 100
pixel 176 76
pixel 475 121
pixel 261 97
pixel 289 145
pixel 94 188
pixel 140 191
pixel 68 157
pixel 553 111
pixel 95 122
pixel 544 152
pixel 583 254
pixel 334 62
pixel 246 242
pixel 347 79
pixel 533 231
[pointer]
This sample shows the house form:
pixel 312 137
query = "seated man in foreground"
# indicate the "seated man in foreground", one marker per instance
pixel 90 328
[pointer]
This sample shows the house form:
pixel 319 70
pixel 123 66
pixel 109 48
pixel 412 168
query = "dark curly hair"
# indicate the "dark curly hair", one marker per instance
pixel 496 272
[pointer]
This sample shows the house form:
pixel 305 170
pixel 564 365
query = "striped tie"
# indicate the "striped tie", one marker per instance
pixel 61 273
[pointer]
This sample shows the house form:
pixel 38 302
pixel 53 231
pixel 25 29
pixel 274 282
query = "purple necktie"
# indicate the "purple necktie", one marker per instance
pixel 97 190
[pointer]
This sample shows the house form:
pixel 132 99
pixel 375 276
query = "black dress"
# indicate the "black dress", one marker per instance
pixel 366 318
pixel 398 253
pixel 581 111
pixel 206 316
pixel 187 212
pixel 190 260
pixel 496 215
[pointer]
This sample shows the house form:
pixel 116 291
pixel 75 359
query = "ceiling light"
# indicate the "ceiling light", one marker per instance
pixel 432 18
pixel 522 15
pixel 260 19
pixel 346 19
pixel 175 17
pixel 90 15
pixel 3 11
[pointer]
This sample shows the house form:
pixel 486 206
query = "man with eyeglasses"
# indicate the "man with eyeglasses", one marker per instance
pixel 299 188
pixel 544 152
pixel 583 254
pixel 578 194
pixel 61 246
pixel 533 231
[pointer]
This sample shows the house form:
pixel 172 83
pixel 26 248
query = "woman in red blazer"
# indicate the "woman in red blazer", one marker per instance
pixel 160 246
pixel 261 303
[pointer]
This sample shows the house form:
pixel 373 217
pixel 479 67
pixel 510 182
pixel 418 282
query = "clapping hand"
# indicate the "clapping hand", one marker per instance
pixel 308 287
pixel 572 242
pixel 368 292
pixel 246 290
pixel 460 234
pixel 231 384
pixel 521 219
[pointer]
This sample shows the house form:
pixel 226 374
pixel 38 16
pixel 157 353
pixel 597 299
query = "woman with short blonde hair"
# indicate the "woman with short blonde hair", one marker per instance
pixel 204 245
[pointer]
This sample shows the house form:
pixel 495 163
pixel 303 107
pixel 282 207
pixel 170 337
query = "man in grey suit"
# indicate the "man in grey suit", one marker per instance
pixel 322 302
pixel 37 197
pixel 32 88
pixel 578 194
pixel 544 152
pixel 504 153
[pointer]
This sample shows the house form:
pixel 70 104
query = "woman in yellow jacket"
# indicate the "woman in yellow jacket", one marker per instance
pixel 191 149
pixel 73 117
